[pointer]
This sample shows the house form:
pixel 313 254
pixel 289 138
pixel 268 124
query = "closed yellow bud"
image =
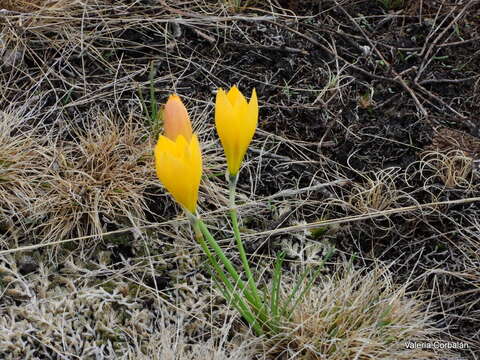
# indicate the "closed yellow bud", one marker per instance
pixel 236 122
pixel 176 120
pixel 179 167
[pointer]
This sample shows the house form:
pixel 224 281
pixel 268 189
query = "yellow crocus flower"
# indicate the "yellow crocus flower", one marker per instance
pixel 176 120
pixel 236 121
pixel 179 168
pixel 178 158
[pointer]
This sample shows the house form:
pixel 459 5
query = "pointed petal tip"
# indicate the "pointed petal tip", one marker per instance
pixel 253 97
pixel 221 92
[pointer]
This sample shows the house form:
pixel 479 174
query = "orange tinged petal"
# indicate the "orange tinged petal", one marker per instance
pixel 176 119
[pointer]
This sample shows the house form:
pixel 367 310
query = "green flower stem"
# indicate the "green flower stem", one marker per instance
pixel 241 249
pixel 219 252
pixel 275 290
pixel 229 292
pixel 231 270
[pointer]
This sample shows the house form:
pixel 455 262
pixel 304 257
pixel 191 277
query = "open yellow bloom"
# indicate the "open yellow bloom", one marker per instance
pixel 236 121
pixel 176 120
pixel 179 168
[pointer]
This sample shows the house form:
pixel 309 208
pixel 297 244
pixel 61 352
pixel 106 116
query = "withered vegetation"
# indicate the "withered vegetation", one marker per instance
pixel 368 143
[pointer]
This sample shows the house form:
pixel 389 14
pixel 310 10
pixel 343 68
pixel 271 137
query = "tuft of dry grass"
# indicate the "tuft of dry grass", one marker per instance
pixel 453 169
pixel 22 164
pixel 98 178
pixel 19 5
pixel 355 314
pixel 378 192
pixel 53 189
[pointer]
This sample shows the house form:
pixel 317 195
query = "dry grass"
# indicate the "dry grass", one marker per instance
pixel 73 188
pixel 348 314
pixel 378 192
pixel 22 165
pixel 81 313
pixel 75 159
pixel 99 178
pixel 23 6
pixel 453 169
pixel 357 314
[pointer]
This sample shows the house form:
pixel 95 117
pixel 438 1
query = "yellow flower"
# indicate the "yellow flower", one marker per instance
pixel 236 121
pixel 179 168
pixel 176 120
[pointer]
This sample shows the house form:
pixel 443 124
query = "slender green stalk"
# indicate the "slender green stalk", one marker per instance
pixel 231 270
pixel 230 293
pixel 219 252
pixel 288 311
pixel 201 240
pixel 237 301
pixel 275 293
pixel 238 240
pixel 277 275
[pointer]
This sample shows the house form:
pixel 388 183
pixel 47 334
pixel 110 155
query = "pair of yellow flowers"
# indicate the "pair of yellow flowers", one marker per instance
pixel 178 157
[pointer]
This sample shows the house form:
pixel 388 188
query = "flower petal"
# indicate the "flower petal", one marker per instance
pixel 179 168
pixel 236 121
pixel 176 119
pixel 235 96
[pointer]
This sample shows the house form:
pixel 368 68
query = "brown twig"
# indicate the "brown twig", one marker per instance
pixel 397 77
pixel 392 47
pixel 427 58
pixel 439 100
pixel 209 38
pixel 326 49
pixel 271 48
pixel 368 216
pixel 450 81
pixel 389 100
